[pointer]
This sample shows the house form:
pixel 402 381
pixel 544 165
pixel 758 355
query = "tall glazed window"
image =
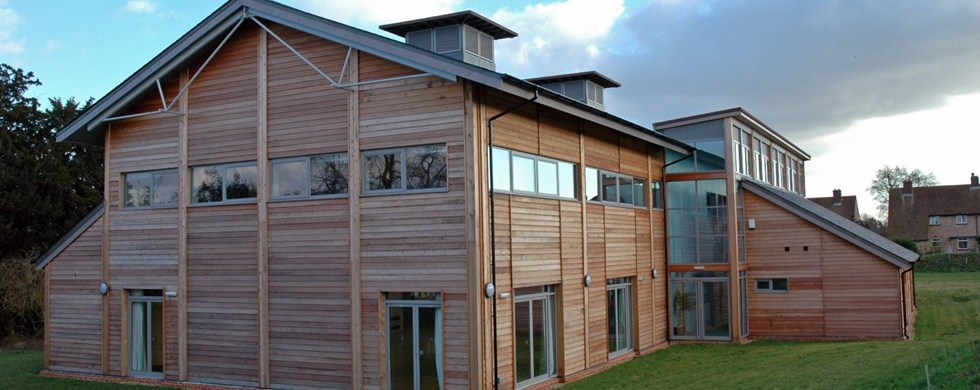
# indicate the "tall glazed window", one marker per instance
pixel 697 222
pixel 535 340
pixel 146 333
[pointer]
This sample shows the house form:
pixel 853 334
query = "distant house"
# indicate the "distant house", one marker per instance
pixel 845 206
pixel 938 218
pixel 294 203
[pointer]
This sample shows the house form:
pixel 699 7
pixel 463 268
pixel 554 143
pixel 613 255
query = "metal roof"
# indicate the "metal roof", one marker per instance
pixel 468 18
pixel 833 223
pixel 592 76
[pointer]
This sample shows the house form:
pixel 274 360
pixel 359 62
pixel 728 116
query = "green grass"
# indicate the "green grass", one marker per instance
pixel 947 340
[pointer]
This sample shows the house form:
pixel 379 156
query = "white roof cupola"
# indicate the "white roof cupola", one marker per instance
pixel 466 36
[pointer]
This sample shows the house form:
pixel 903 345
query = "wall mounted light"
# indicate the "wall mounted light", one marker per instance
pixel 751 223
pixel 489 289
pixel 654 273
pixel 171 294
pixel 588 280
pixel 103 288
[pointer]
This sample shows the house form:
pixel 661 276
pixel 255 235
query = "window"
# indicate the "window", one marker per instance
pixel 416 168
pixel 700 305
pixel 961 220
pixel 697 218
pixel 524 173
pixel 934 220
pixel 743 302
pixel 619 312
pixel 150 189
pixel 313 176
pixel 222 183
pixel 414 321
pixel 779 168
pixel 936 243
pixel 962 244
pixel 740 150
pixel 611 187
pixel 534 334
pixel 658 194
pixel 146 333
pixel 771 285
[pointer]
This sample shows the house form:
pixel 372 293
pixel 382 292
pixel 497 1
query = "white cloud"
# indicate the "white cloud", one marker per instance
pixel 140 6
pixel 9 44
pixel 573 19
pixel 369 14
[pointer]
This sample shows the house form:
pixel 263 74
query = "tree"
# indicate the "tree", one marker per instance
pixel 892 177
pixel 47 186
pixel 871 223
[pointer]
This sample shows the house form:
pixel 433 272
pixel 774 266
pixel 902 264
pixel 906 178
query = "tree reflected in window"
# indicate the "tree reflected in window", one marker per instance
pixel 242 182
pixel 426 166
pixel 328 174
pixel 207 184
pixel 383 171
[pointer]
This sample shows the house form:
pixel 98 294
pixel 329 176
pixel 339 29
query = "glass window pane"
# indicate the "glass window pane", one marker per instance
pixel 566 180
pixel 683 250
pixel 137 190
pixel 429 344
pixel 610 187
pixel 658 194
pixel 328 174
pixel 241 182
pixel 713 249
pixel 683 222
pixel 501 169
pixel 547 177
pixel 592 184
pixel 639 193
pixel 539 340
pixel 206 184
pixel 164 188
pixel 625 190
pixel 289 178
pixel 426 167
pixel 685 318
pixel 522 340
pixel 382 171
pixel 401 348
pixel 523 173
pixel 681 194
pixel 715 308
pixel 780 284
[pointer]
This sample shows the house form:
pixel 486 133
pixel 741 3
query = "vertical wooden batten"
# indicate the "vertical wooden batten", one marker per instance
pixel 476 273
pixel 183 198
pixel 585 240
pixel 354 194
pixel 47 318
pixel 262 195
pixel 105 247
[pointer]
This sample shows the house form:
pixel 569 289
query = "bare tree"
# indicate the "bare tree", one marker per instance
pixel 892 177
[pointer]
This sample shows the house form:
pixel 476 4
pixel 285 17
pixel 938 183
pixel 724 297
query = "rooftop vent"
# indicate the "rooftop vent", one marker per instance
pixel 585 87
pixel 466 36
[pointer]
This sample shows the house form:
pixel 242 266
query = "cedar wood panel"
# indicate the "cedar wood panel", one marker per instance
pixel 825 299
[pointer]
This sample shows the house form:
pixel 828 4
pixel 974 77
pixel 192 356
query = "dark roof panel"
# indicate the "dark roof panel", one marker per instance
pixel 847 208
pixel 592 76
pixel 908 214
pixel 468 18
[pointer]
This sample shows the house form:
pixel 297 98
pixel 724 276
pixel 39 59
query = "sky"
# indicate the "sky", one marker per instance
pixel 857 84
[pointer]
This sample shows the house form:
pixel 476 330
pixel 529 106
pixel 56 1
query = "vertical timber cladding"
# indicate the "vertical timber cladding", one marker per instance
pixel 142 251
pixel 413 242
pixel 309 241
pixel 222 274
pixel 74 323
pixel 658 236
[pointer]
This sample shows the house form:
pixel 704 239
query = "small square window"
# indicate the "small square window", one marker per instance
pixel 962 244
pixel 934 220
pixel 772 285
pixel 961 220
pixel 763 284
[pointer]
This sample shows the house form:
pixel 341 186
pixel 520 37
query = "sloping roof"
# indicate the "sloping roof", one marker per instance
pixel 848 207
pixel 468 18
pixel 90 126
pixel 70 237
pixel 592 76
pixel 833 223
pixel 908 214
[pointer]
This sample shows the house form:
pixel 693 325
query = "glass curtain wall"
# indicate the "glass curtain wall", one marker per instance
pixel 697 222
pixel 700 306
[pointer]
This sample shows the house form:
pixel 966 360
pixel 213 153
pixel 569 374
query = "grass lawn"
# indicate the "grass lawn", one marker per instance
pixel 947 339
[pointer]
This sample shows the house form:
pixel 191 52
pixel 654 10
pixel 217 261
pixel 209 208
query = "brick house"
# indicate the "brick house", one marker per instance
pixel 845 206
pixel 939 218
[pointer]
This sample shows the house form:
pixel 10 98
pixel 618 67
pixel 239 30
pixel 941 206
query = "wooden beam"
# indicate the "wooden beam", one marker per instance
pixel 183 198
pixel 585 239
pixel 476 273
pixel 354 189
pixel 262 194
pixel 105 246
pixel 47 317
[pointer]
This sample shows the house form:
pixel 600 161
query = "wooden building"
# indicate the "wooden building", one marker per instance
pixel 294 203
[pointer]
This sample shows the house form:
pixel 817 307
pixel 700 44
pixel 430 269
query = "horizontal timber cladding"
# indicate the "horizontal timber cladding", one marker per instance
pixel 835 289
pixel 306 114
pixel 309 303
pixel 535 241
pixel 74 324
pixel 597 320
pixel 222 294
pixel 222 102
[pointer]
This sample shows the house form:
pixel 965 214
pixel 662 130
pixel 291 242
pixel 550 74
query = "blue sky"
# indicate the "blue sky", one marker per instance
pixel 857 84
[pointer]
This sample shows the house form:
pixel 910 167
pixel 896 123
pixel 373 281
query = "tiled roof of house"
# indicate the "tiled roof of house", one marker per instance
pixel 908 213
pixel 848 207
pixel 833 223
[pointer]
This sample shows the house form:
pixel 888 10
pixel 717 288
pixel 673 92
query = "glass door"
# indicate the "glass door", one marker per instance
pixel 146 333
pixel 700 306
pixel 534 334
pixel 414 344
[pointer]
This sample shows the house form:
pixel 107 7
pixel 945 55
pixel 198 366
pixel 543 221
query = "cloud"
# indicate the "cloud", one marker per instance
pixel 140 6
pixel 9 44
pixel 369 14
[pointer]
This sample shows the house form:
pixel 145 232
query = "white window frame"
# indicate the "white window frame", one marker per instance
pixel 961 219
pixel 934 220
pixel 771 285
pixel 147 301
pixel 623 286
pixel 535 174
pixel 962 243
pixel 152 175
pixel 547 295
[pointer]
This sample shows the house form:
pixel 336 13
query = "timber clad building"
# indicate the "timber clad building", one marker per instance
pixel 295 203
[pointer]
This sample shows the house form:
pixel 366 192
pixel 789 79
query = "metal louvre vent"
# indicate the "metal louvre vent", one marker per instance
pixel 598 94
pixel 486 46
pixel 575 90
pixel 421 39
pixel 447 39
pixel 592 90
pixel 472 38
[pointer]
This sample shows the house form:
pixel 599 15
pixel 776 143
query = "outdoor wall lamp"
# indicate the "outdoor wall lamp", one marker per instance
pixel 588 280
pixel 103 288
pixel 489 289
pixel 653 273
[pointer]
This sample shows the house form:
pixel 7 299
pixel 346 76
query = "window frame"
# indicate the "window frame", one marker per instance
pixel 771 287
pixel 961 219
pixel 402 151
pixel 535 176
pixel 152 174
pixel 935 220
pixel 621 286
pixel 963 244
pixel 147 301
pixel 547 294
pixel 309 177
pixel 619 177
pixel 224 185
